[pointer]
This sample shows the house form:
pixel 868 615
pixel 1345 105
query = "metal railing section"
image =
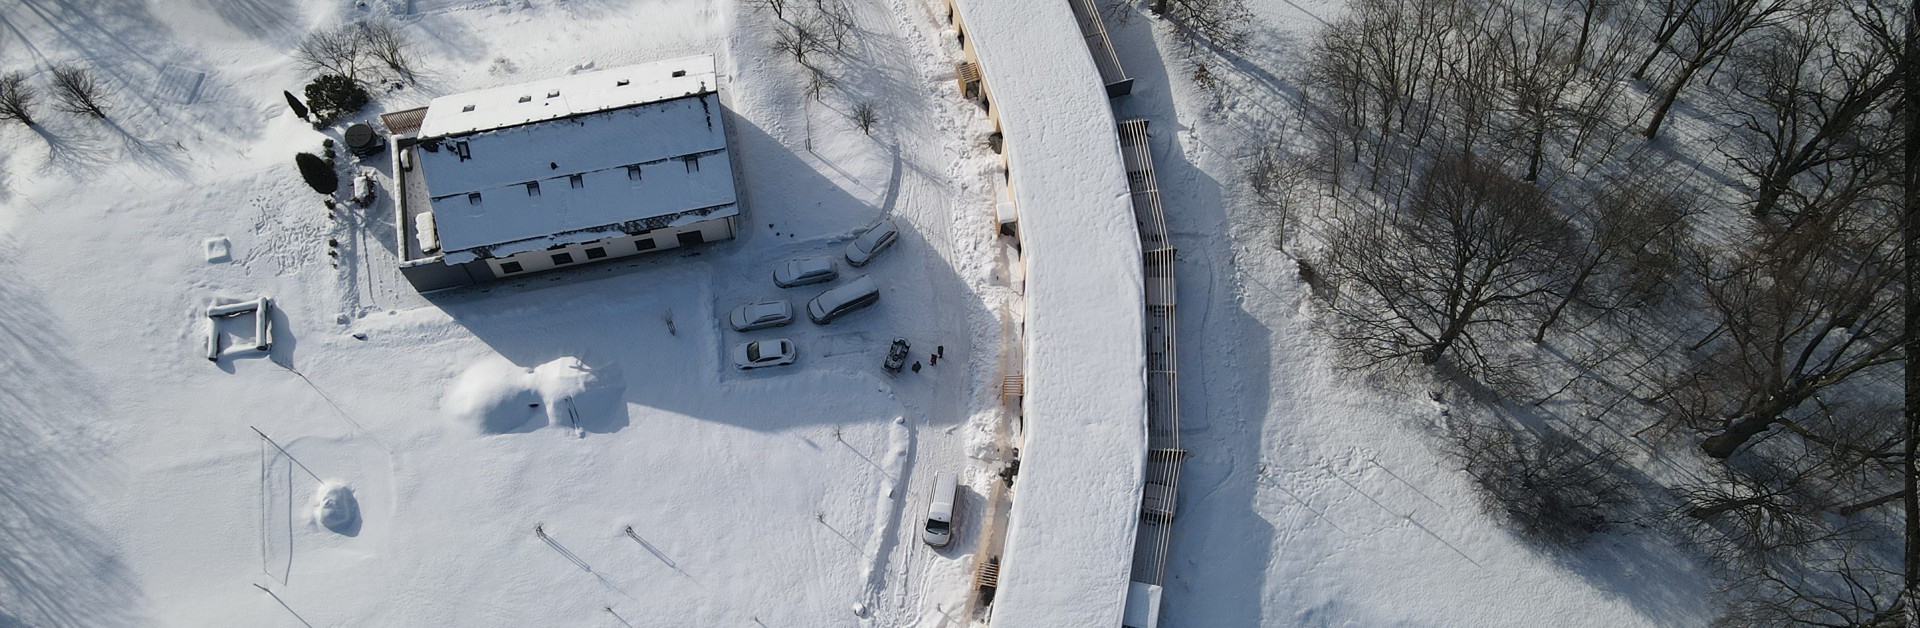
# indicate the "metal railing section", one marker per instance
pixel 1163 377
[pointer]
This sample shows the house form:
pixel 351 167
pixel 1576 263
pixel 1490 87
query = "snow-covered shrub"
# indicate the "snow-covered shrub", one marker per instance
pixel 333 96
pixel 318 174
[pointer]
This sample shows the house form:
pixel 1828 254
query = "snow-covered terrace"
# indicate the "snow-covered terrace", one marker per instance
pixel 1075 513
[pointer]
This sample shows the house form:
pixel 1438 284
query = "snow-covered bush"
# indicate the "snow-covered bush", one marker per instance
pixel 333 96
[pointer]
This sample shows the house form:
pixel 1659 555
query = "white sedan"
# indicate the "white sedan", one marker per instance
pixel 759 353
pixel 863 249
pixel 761 315
pixel 801 272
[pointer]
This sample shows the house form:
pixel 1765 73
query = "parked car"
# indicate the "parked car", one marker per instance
pixel 801 272
pixel 837 302
pixel 863 249
pixel 896 355
pixel 939 529
pixel 761 315
pixel 759 353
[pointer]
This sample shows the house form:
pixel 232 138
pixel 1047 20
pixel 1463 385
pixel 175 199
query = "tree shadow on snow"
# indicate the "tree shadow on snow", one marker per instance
pixel 56 567
pixel 265 20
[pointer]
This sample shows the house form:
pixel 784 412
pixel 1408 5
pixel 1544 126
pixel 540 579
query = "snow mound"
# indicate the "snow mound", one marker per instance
pixel 498 397
pixel 335 508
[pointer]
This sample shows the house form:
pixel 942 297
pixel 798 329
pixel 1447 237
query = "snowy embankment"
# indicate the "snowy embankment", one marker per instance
pixel 1075 510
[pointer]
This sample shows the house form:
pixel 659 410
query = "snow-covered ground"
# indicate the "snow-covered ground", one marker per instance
pixel 1311 496
pixel 566 448
pixel 419 443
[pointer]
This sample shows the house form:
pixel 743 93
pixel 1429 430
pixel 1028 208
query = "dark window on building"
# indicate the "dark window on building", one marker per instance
pixel 693 163
pixel 562 258
pixel 576 181
pixel 644 244
pixel 596 253
pixel 691 237
pixel 473 198
pixel 510 267
pixel 633 173
pixel 533 188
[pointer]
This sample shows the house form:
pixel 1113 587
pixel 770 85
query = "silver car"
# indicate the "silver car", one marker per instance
pixel 863 249
pixel 761 315
pixel 759 353
pixel 801 272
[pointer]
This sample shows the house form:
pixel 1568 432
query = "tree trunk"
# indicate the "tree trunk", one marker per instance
pixel 1673 92
pixel 1723 445
pixel 1910 233
pixel 1876 502
pixel 1704 513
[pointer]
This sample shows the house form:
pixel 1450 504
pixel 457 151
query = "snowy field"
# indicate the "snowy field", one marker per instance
pixel 597 406
pixel 563 449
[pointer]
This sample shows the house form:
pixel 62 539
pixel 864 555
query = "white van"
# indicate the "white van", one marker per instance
pixel 939 529
pixel 848 297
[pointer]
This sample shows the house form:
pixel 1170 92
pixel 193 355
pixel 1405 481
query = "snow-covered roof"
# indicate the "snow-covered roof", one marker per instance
pixel 587 161
pixel 554 98
pixel 1069 546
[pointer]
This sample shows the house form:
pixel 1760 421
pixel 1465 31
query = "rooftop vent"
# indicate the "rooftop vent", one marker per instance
pixel 679 73
pixel 622 83
pixel 526 98
pixel 466 109
pixel 553 94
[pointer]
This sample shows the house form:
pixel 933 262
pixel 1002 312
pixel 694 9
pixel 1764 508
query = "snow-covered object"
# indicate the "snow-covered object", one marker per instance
pixel 425 234
pixel 1069 545
pixel 575 159
pixel 363 189
pixel 334 508
pixel 497 396
pixel 263 324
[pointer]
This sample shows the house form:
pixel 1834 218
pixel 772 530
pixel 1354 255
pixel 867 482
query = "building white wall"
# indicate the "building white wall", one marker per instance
pixel 617 247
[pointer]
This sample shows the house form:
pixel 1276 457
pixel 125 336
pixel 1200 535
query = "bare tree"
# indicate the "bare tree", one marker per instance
pixel 1850 588
pixel 1473 251
pixel 1634 228
pixel 339 50
pixel 382 41
pixel 16 98
pixel 799 40
pixel 1220 22
pixel 1276 178
pixel 77 90
pixel 864 117
pixel 1804 312
pixel 779 6
pixel 1713 27
pixel 1817 99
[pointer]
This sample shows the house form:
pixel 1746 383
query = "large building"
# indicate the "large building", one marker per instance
pixel 594 166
